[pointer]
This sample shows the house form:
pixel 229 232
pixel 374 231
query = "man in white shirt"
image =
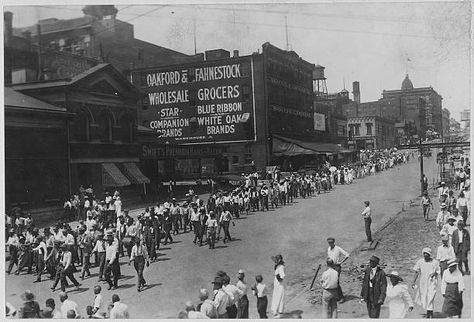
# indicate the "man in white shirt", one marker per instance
pixel 192 313
pixel 243 303
pixel 329 283
pixel 13 243
pixel 67 305
pixel 207 306
pixel 111 262
pixel 444 253
pixel 234 293
pixel 367 215
pixel 98 307
pixel 42 253
pixel 139 256
pixel 68 270
pixel 120 310
pixel 259 290
pixel 338 256
pixel 221 299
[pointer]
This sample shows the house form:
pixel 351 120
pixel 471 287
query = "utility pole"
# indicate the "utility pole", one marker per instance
pixel 286 32
pixel 195 46
pixel 421 168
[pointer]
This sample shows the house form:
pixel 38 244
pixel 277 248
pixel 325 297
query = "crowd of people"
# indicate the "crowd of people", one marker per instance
pixel 106 233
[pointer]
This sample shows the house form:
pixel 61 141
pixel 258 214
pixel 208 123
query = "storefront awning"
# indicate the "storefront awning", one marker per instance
pixel 112 176
pixel 281 148
pixel 133 173
pixel 315 147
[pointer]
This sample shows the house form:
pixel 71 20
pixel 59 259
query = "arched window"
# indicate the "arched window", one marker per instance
pixel 126 128
pixel 80 127
pixel 105 127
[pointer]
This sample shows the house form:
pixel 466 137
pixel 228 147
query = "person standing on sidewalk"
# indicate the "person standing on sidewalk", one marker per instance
pixel 452 287
pixel 426 204
pixel 398 299
pixel 428 270
pixel 260 291
pixel 329 283
pixel 461 206
pixel 243 303
pixel 278 296
pixel 443 216
pixel 139 256
pixel 445 253
pixel 367 215
pixel 461 242
pixel 338 256
pixel 374 287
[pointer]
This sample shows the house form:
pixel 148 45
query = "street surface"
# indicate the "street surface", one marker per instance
pixel 297 231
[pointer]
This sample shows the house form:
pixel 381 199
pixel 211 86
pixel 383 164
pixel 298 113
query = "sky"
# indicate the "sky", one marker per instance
pixel 375 43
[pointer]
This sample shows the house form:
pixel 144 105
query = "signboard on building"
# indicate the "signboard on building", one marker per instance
pixel 65 65
pixel 319 122
pixel 205 102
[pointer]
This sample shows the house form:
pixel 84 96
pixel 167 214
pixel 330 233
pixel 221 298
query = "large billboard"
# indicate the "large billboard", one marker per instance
pixel 198 103
pixel 319 122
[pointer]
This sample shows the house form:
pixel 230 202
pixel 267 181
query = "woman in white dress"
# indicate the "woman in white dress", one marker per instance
pixel 278 286
pixel 398 299
pixel 428 270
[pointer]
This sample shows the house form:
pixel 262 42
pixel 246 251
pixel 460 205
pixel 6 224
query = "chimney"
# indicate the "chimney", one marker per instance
pixel 27 35
pixel 356 92
pixel 236 53
pixel 7 26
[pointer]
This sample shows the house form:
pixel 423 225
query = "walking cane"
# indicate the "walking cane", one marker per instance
pixel 314 278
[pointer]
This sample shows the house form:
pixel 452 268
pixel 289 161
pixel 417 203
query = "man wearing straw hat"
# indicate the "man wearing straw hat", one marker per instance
pixel 398 299
pixel 374 287
pixel 443 216
pixel 444 253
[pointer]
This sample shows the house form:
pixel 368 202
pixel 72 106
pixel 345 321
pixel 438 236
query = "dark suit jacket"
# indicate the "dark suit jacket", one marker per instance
pixel 379 283
pixel 466 242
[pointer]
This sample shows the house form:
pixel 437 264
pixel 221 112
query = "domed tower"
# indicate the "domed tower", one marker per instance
pixel 407 84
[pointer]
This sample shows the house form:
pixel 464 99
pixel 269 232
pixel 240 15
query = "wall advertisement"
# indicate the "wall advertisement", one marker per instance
pixel 199 103
pixel 319 122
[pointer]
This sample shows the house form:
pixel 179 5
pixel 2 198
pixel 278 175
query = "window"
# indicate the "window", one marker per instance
pixel 369 128
pixel 80 127
pixel 235 159
pixel 105 127
pixel 357 129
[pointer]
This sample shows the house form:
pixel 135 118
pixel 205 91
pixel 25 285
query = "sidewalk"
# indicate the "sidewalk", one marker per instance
pixel 400 247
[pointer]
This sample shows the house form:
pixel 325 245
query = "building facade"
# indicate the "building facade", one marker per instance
pixel 101 145
pixel 445 121
pixel 36 151
pixel 417 108
pixel 371 133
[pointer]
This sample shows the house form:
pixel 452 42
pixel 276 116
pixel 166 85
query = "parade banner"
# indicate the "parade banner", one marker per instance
pixel 204 102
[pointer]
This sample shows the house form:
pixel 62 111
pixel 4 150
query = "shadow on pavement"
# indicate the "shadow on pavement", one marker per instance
pixel 127 277
pixel 79 290
pixel 122 286
pixel 220 246
pixel 350 297
pixel 151 286
pixel 162 259
pixel 295 314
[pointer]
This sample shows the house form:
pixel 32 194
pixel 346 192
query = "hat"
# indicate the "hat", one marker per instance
pixel 218 280
pixel 443 183
pixel 189 305
pixel 427 250
pixel 395 274
pixel 452 262
pixel 374 259
pixel 444 237
pixel 331 238
pixel 28 296
pixel 110 237
pixel 451 218
pixel 241 271
pixel 277 258
pixel 47 313
pixel 443 205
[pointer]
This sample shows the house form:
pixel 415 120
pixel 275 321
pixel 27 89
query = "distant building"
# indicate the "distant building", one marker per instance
pixel 370 133
pixel 98 35
pixel 446 119
pixel 454 130
pixel 419 109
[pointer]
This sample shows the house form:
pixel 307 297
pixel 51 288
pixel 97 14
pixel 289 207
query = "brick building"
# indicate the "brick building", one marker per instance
pixel 371 133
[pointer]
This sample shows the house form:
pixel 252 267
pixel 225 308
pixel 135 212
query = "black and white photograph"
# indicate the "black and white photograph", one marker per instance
pixel 236 159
